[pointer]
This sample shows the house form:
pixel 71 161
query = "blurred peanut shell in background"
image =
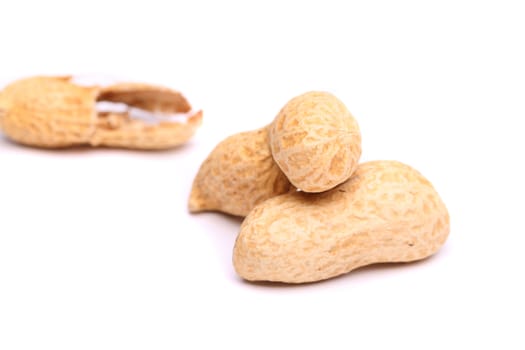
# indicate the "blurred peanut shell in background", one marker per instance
pixel 54 112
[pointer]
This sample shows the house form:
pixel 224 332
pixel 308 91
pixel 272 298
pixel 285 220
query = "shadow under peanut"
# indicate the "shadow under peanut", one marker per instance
pixel 222 229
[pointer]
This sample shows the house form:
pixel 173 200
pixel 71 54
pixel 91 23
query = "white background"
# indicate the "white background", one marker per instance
pixel 98 251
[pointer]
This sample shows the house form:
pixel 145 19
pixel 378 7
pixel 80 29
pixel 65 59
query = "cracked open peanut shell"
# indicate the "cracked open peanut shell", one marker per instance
pixel 55 112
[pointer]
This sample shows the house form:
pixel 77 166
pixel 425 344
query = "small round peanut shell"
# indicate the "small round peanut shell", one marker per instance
pixel 386 212
pixel 315 141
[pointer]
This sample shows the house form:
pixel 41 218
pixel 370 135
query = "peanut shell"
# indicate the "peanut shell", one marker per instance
pixel 237 175
pixel 54 112
pixel 315 141
pixel 386 212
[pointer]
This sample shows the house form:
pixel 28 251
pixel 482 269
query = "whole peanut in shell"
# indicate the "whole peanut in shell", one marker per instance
pixel 386 212
pixel 237 175
pixel 315 141
pixel 55 112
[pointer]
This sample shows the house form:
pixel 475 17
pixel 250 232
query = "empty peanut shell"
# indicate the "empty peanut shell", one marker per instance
pixel 54 112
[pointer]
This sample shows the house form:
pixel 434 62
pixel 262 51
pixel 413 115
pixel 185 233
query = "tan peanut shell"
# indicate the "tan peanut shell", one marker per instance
pixel 386 212
pixel 237 175
pixel 54 112
pixel 315 141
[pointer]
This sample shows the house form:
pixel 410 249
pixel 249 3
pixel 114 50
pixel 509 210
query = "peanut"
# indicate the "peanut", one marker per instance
pixel 315 141
pixel 54 112
pixel 237 175
pixel 386 212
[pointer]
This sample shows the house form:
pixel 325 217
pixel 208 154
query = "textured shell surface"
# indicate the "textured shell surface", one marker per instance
pixel 316 141
pixel 48 112
pixel 386 212
pixel 237 175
